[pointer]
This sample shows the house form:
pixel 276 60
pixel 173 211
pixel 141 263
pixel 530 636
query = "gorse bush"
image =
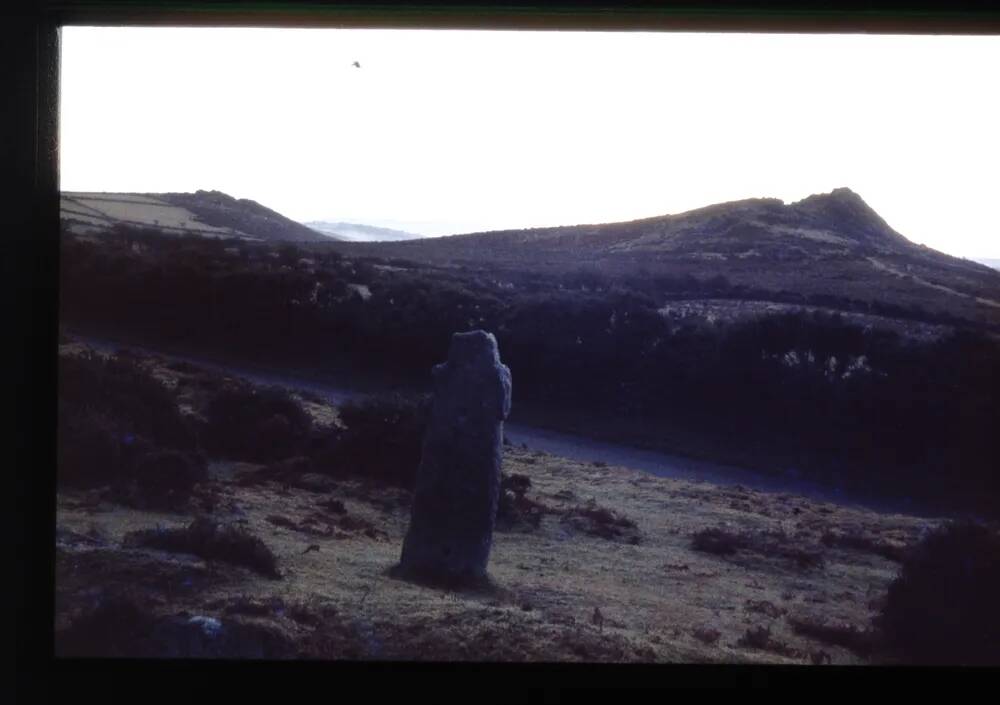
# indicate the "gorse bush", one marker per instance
pixel 94 451
pixel 162 478
pixel 88 447
pixel 255 424
pixel 383 440
pixel 119 426
pixel 943 607
pixel 110 411
pixel 119 388
pixel 112 629
pixel 718 541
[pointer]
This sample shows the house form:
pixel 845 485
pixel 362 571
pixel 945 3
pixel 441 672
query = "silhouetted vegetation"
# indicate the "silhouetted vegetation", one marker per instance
pixel 162 479
pixel 111 415
pixel 120 388
pixel 383 440
pixel 515 510
pixel 253 423
pixel 942 608
pixel 88 450
pixel 718 541
pixel 112 629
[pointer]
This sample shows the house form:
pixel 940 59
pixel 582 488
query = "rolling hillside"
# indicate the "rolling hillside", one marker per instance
pixel 826 245
pixel 205 213
pixel 831 250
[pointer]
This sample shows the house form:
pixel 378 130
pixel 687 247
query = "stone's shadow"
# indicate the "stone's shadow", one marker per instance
pixel 482 585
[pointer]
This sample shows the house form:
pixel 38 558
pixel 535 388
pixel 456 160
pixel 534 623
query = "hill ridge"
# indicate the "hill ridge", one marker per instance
pixel 826 247
pixel 204 213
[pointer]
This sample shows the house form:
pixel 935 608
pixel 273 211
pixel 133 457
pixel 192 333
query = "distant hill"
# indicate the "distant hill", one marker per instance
pixel 355 232
pixel 994 263
pixel 204 213
pixel 829 245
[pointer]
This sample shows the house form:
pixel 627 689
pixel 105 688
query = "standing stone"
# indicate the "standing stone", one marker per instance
pixel 458 481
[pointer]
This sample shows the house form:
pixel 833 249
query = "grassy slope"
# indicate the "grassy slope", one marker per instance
pixel 209 213
pixel 659 600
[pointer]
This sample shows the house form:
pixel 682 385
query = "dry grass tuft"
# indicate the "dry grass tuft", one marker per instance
pixel 760 638
pixel 595 520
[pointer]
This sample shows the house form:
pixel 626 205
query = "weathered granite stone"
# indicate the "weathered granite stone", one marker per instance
pixel 458 481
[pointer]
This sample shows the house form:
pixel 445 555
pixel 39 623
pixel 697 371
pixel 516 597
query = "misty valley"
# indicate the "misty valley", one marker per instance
pixel 756 432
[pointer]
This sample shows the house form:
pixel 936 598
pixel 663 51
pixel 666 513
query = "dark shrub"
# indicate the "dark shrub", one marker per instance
pixel 88 452
pixel 112 630
pixel 706 635
pixel 717 541
pixel 122 390
pixel 517 483
pixel 756 638
pixel 255 424
pixel 209 540
pixel 119 426
pixel 334 506
pixel 182 636
pixel 942 608
pixel 383 440
pixel 122 627
pixel 163 479
pixel 514 510
pixel 275 432
pixel 93 451
pixel 185 367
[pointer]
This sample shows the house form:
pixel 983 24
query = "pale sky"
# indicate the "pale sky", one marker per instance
pixel 447 131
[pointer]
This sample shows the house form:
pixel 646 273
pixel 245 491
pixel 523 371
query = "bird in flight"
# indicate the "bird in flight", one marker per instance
pixel 356 65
